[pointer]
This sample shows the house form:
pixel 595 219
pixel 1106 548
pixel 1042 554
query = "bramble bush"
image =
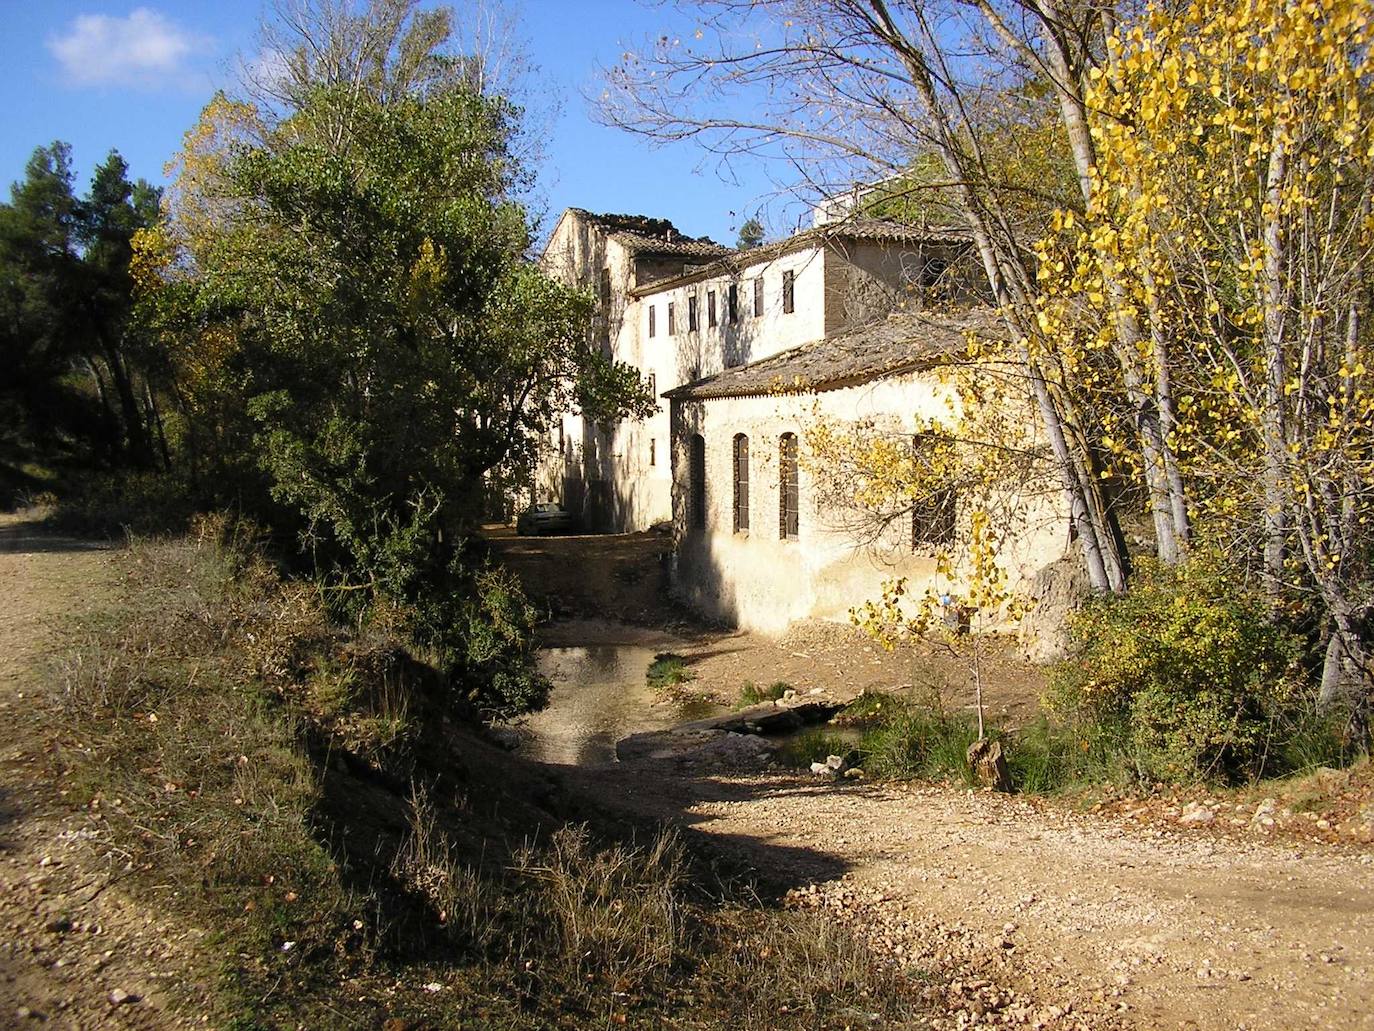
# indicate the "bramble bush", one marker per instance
pixel 1190 666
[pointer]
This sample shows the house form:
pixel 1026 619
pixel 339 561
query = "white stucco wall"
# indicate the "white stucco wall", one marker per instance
pixel 612 477
pixel 688 355
pixel 620 478
pixel 758 581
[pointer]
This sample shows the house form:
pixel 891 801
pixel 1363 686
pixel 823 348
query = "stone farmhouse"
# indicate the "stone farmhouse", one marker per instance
pixel 747 348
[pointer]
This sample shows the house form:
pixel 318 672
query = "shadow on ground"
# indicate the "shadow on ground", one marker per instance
pixel 33 536
pixel 651 794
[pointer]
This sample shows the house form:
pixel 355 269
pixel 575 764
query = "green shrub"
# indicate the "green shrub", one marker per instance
pixel 752 694
pixel 918 741
pixel 1189 665
pixel 113 503
pixel 813 745
pixel 1051 755
pixel 668 671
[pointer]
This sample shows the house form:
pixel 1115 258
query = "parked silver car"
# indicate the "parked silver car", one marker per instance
pixel 545 517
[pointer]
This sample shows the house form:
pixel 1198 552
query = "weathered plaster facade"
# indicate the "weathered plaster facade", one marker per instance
pixel 758 578
pixel 619 477
pixel 614 477
pixel 760 344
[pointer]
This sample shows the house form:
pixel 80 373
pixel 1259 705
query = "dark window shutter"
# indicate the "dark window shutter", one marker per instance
pixel 788 493
pixel 741 483
pixel 697 466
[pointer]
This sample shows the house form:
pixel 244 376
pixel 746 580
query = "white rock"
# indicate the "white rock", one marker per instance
pixel 1195 815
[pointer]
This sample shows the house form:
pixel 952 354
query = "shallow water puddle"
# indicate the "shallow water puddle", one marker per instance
pixel 599 696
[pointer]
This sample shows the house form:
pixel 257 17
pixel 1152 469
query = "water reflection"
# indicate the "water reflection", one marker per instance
pixel 600 696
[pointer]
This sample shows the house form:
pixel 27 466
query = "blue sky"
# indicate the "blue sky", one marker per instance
pixel 134 76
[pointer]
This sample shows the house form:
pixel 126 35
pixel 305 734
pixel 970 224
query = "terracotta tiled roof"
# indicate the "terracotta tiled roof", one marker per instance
pixel 882 229
pixel 834 233
pixel 641 234
pixel 900 343
pixel 701 247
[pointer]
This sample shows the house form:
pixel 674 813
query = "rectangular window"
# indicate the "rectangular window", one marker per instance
pixel 933 512
pixel 697 486
pixel 741 483
pixel 788 294
pixel 605 287
pixel 653 321
pixel 711 308
pixel 789 497
pixel 691 313
pixel 758 296
pixel 672 322
pixel 653 451
pixel 653 384
pixel 732 303
pixel 561 441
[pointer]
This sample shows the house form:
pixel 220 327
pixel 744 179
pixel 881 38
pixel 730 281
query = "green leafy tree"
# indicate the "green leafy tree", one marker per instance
pixel 74 387
pixel 393 346
pixel 38 267
pixel 750 235
pixel 111 214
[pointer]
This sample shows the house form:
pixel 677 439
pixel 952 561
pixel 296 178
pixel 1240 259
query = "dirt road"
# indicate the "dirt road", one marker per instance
pixel 72 955
pixel 1089 919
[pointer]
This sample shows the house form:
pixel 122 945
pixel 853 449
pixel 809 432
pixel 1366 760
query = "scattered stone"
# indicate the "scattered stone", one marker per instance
pixel 835 762
pixel 1263 819
pixel 1196 815
pixel 119 997
pixel 821 769
pixel 59 925
pixel 854 773
pixel 505 737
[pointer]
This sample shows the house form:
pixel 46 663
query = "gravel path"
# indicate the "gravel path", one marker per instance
pixel 1088 921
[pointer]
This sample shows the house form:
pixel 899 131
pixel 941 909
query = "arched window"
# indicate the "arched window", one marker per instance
pixel 741 483
pixel 934 512
pixel 696 516
pixel 788 501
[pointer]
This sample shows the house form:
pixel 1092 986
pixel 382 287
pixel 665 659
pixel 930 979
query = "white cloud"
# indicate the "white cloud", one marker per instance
pixel 268 69
pixel 143 49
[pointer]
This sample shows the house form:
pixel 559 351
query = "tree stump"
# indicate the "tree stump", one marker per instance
pixel 989 765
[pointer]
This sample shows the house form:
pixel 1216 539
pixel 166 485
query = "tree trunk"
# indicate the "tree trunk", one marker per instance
pixel 135 436
pixel 106 447
pixel 154 419
pixel 1272 424
pixel 1013 295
